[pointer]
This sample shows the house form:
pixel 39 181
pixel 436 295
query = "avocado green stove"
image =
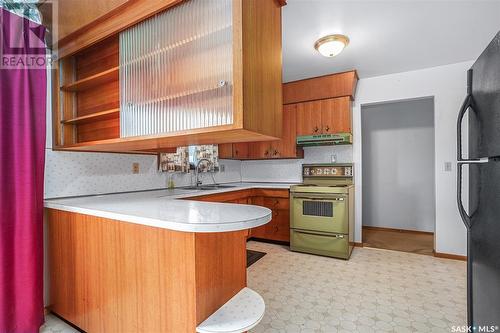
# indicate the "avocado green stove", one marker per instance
pixel 322 211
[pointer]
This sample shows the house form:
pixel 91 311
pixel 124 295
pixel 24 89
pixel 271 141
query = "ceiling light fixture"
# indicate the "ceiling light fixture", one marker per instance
pixel 331 45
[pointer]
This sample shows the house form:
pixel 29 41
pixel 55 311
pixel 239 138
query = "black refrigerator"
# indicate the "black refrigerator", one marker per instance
pixel 482 218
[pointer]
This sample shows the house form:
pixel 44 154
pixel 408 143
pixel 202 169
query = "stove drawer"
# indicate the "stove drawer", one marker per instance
pixel 320 214
pixel 332 245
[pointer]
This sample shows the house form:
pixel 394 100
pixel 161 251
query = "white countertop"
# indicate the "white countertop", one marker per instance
pixel 162 209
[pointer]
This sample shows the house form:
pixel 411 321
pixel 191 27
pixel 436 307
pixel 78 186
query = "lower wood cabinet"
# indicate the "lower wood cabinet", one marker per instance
pixel 277 200
pixel 279 227
pixel 110 276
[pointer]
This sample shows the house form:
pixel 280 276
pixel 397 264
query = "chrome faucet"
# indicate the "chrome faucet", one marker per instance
pixel 197 171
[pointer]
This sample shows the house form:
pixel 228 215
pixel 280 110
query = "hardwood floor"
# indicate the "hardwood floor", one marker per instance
pixel 399 240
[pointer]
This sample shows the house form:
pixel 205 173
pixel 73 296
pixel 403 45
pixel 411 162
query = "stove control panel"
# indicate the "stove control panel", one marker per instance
pixel 331 170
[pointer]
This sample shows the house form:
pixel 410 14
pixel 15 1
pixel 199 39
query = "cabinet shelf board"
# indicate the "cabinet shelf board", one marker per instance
pixel 185 94
pixel 102 115
pixel 92 81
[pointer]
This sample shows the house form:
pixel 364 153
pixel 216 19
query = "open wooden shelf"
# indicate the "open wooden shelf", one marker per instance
pixel 102 115
pixel 93 81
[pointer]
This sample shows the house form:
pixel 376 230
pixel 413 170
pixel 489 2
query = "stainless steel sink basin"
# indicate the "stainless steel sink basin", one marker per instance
pixel 207 187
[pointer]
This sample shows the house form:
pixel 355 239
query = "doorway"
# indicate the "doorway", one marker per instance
pixel 398 195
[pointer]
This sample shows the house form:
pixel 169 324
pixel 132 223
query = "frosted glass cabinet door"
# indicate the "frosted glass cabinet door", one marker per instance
pixel 176 70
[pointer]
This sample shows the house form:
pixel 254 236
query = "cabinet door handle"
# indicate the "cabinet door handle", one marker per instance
pixel 327 128
pixel 316 129
pixel 236 152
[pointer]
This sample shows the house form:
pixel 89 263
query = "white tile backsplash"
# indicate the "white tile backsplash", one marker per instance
pixel 74 173
pixel 290 170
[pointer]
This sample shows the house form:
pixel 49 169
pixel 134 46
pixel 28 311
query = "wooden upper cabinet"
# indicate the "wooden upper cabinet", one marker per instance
pixel 226 151
pixel 82 23
pixel 73 15
pixel 110 96
pixel 321 87
pixel 336 115
pixel 308 118
pixel 240 150
pixel 286 147
pixel 323 104
pixel 236 151
pixel 326 116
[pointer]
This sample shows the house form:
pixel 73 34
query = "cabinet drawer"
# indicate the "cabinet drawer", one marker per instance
pixel 332 245
pixel 271 192
pixel 277 203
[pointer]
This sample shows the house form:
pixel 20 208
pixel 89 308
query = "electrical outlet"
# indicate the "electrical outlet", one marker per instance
pixel 447 166
pixel 135 168
pixel 334 158
pixel 222 168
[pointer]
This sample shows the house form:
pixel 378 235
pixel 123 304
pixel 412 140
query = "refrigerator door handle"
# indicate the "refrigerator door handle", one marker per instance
pixel 466 218
pixel 467 104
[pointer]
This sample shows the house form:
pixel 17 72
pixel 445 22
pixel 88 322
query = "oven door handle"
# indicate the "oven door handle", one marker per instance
pixel 338 236
pixel 320 199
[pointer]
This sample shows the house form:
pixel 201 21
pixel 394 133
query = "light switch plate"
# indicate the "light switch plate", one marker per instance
pixel 447 166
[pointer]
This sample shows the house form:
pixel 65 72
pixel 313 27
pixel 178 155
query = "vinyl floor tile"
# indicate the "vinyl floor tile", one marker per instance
pixel 375 291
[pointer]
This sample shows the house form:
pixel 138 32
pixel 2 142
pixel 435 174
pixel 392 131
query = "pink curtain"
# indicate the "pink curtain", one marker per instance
pixel 23 90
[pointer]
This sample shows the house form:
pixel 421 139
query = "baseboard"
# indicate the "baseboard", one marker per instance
pixel 398 230
pixel 449 256
pixel 358 244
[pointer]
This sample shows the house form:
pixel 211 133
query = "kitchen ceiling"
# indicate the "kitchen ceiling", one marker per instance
pixel 385 36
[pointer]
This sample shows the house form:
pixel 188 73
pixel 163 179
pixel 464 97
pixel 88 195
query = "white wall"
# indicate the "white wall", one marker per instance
pixel 398 162
pixel 447 85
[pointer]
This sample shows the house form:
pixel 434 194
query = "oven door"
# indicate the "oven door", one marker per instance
pixel 320 212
